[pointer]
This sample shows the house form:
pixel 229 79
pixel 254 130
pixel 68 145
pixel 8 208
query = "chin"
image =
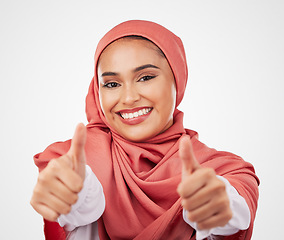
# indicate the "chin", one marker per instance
pixel 137 137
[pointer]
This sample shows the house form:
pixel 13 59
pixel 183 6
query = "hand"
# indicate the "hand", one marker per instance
pixel 203 194
pixel 60 182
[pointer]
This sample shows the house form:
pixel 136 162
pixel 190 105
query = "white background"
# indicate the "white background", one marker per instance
pixel 234 97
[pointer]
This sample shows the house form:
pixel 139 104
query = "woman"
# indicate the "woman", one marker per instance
pixel 134 171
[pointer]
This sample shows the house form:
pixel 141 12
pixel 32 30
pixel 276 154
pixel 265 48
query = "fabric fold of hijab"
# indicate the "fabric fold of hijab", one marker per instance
pixel 140 179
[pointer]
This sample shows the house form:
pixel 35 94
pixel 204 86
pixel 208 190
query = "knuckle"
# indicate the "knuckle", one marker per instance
pixel 65 160
pixel 223 203
pixel 42 178
pixel 229 215
pixel 209 172
pixel 32 202
pixel 218 186
pixel 181 190
pixel 53 217
pixel 37 192
pixel 66 209
pixel 202 226
pixel 226 218
pixel 187 204
pixel 74 199
pixel 191 216
pixel 53 164
pixel 46 174
pixel 78 186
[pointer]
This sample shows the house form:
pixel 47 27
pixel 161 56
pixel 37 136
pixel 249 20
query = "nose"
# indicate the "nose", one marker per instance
pixel 130 95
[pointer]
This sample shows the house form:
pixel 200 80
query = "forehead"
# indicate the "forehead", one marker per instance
pixel 129 49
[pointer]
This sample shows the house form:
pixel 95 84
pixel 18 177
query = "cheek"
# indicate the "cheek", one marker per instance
pixel 107 101
pixel 169 103
pixel 166 98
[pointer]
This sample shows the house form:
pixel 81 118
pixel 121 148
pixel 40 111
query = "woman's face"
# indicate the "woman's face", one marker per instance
pixel 136 89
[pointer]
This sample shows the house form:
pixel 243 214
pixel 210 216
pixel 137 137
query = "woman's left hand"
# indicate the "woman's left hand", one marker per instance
pixel 203 195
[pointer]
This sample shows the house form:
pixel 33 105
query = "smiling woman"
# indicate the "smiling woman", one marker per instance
pixel 135 172
pixel 133 78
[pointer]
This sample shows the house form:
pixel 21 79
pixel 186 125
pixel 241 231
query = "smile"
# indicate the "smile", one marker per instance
pixel 135 114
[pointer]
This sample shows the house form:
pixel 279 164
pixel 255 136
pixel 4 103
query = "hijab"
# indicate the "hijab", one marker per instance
pixel 140 178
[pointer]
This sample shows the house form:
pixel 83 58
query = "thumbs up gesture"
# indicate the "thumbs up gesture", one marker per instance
pixel 60 182
pixel 203 195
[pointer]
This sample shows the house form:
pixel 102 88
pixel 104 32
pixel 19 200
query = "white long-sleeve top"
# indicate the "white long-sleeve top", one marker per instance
pixel 81 221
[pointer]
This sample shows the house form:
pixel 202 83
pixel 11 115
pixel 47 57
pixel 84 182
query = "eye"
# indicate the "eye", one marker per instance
pixel 146 78
pixel 111 85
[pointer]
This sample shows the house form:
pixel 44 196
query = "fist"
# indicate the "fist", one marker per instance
pixel 60 182
pixel 203 195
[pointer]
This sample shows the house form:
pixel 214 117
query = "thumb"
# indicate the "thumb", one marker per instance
pixel 186 155
pixel 77 149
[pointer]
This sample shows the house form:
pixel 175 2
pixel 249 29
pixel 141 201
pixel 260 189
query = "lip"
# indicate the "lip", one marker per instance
pixel 135 120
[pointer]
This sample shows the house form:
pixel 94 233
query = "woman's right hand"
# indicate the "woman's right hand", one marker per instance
pixel 62 179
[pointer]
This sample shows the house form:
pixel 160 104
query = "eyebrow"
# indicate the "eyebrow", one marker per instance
pixel 145 66
pixel 109 74
pixel 135 70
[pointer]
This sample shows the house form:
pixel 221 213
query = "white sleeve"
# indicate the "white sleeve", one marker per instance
pixel 89 206
pixel 239 221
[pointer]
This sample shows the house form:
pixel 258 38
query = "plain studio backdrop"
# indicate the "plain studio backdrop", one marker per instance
pixel 234 98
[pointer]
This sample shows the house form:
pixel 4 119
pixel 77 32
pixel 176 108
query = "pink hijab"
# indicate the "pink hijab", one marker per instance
pixel 140 179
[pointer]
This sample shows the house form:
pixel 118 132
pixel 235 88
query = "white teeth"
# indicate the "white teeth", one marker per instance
pixel 135 114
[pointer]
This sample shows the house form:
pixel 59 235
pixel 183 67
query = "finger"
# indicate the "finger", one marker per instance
pixel 218 220
pixel 60 170
pixel 64 193
pixel 199 188
pixel 186 154
pixel 77 149
pixel 48 205
pixel 202 213
pixel 195 201
pixel 192 184
pixel 46 212
pixel 209 210
pixel 56 204
pixel 51 204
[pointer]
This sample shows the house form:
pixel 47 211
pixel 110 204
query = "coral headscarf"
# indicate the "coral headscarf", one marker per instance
pixel 140 179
